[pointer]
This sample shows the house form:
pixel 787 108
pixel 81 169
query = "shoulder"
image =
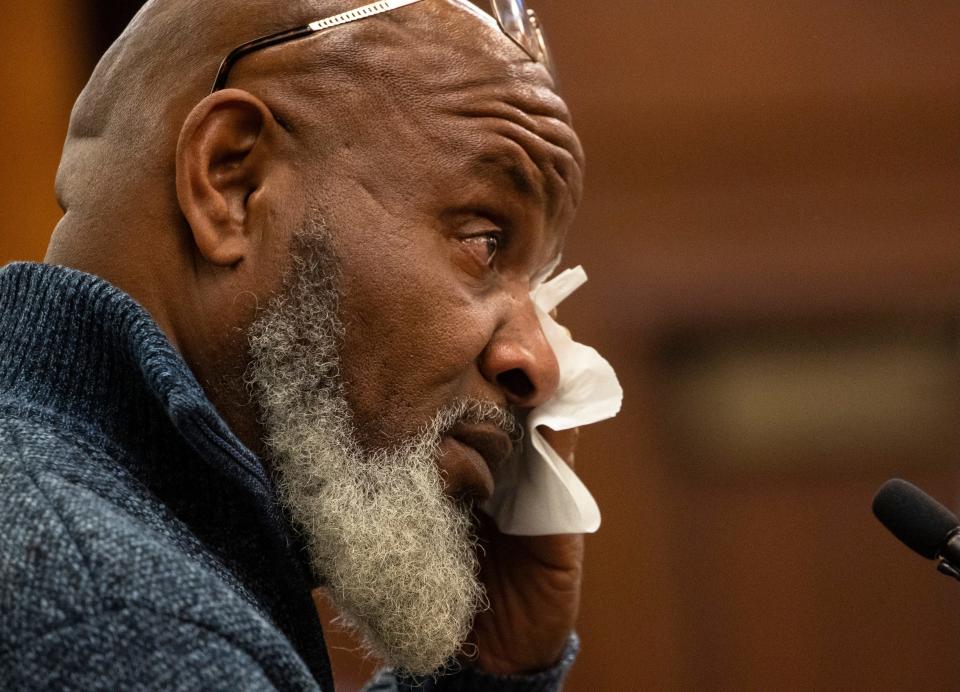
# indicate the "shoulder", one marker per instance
pixel 75 540
pixel 135 648
pixel 97 576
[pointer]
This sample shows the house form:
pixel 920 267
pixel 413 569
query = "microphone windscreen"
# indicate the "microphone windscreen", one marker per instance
pixel 914 517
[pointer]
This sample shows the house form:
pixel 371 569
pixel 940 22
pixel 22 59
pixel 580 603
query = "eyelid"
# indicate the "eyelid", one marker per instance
pixel 477 225
pixel 484 224
pixel 497 235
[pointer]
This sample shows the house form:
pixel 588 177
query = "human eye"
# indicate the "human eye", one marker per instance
pixel 485 246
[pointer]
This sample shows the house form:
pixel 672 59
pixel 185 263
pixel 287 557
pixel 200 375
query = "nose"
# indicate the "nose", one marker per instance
pixel 520 361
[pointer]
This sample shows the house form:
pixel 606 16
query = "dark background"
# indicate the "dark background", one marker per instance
pixel 771 227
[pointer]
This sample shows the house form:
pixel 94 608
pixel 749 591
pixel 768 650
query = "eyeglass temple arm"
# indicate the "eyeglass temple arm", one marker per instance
pixel 370 10
pixel 256 44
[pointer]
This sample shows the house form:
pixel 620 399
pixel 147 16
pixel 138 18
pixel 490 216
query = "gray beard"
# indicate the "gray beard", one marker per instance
pixel 397 555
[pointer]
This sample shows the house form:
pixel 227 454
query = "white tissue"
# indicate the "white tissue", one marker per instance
pixel 540 494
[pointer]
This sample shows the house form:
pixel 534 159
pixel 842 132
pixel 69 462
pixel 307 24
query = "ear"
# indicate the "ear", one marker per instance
pixel 222 159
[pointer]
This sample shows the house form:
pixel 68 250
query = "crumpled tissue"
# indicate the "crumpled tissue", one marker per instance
pixel 541 495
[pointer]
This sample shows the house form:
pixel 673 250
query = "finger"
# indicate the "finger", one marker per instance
pixel 564 442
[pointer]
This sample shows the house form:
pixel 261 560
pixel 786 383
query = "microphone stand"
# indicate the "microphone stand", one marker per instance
pixel 950 556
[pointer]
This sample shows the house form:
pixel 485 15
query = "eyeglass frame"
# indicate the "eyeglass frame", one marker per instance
pixel 539 52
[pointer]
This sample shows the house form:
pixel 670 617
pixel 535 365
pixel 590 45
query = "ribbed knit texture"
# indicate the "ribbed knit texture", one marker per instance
pixel 141 545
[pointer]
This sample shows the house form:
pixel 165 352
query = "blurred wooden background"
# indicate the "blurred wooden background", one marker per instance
pixel 771 224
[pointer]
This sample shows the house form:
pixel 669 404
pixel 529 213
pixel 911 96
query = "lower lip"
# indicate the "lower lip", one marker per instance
pixel 465 470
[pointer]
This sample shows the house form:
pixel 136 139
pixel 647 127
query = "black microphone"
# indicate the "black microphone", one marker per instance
pixel 920 522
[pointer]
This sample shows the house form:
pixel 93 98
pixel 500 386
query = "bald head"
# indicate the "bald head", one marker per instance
pixel 410 120
pixel 126 122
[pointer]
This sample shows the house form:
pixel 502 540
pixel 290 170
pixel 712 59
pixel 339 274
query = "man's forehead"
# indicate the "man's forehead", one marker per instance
pixel 472 8
pixel 432 73
pixel 509 173
pixel 430 88
pixel 457 32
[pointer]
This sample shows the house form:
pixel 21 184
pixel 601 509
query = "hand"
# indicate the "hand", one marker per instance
pixel 533 583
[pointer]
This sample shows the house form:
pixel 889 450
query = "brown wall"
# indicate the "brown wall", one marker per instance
pixel 778 167
pixel 44 64
pixel 760 165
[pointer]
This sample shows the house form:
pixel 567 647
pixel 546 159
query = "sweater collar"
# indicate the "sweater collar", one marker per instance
pixel 81 352
pixel 76 345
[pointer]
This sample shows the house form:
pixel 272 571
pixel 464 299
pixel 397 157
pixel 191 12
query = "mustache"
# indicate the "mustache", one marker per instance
pixel 477 411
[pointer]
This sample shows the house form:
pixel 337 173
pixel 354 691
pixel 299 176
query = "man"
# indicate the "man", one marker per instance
pixel 282 337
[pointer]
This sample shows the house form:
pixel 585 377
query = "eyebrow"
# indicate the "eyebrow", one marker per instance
pixel 509 169
pixel 505 168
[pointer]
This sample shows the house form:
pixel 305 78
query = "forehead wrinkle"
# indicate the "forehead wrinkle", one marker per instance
pixel 531 167
pixel 418 72
pixel 538 127
pixel 502 166
pixel 539 111
pixel 426 57
pixel 552 169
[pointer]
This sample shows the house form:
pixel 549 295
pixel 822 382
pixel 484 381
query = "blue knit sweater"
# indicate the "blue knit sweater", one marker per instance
pixel 141 545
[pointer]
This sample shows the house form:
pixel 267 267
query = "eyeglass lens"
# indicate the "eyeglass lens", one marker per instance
pixel 518 24
pixel 513 17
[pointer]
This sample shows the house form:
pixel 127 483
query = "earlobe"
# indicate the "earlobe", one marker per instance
pixel 220 165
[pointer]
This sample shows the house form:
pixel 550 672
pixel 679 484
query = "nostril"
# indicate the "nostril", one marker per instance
pixel 517 383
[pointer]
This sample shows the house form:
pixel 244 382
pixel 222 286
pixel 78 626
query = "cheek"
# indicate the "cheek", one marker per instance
pixel 412 343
